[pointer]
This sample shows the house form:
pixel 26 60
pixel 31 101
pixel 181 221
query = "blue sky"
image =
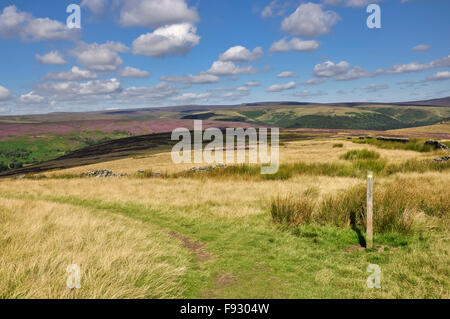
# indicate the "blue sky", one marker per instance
pixel 144 53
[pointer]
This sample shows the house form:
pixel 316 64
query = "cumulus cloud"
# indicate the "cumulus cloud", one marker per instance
pixel 252 83
pixel 287 74
pixel 329 69
pixel 53 57
pixel 281 87
pixel 201 78
pixel 416 66
pixel 445 75
pixel 241 54
pixel 351 3
pixel 421 47
pixel 4 93
pixel 229 68
pixel 129 72
pixel 31 98
pixel 307 93
pixel 146 94
pixel 14 23
pixel 168 40
pixel 309 20
pixel 156 13
pixel 191 97
pixel 295 44
pixel 97 7
pixel 74 74
pixel 100 57
pixel 274 8
pixel 67 90
pixel 373 87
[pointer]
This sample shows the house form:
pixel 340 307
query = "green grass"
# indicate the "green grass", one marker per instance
pixel 22 151
pixel 310 261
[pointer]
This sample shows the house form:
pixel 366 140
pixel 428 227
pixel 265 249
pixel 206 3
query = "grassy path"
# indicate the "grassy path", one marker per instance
pixel 253 259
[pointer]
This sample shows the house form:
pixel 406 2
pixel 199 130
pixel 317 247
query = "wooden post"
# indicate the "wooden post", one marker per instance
pixel 369 217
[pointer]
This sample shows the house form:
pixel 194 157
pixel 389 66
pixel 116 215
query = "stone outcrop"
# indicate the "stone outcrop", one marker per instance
pixel 104 173
pixel 437 144
pixel 205 168
pixel 442 159
pixel 393 139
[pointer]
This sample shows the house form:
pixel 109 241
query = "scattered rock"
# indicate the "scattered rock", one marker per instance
pixel 437 144
pixel 205 168
pixel 104 173
pixel 393 139
pixel 442 159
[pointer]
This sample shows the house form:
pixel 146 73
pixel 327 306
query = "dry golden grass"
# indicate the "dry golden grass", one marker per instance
pixel 307 151
pixel 225 198
pixel 118 257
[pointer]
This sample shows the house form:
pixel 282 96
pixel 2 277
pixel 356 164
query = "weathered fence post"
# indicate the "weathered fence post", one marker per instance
pixel 369 228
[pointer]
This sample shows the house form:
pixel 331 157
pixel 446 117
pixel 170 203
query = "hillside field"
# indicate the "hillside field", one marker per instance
pixel 230 232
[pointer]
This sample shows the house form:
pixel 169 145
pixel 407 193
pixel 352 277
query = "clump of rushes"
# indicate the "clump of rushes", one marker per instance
pixel 402 206
pixel 360 154
pixel 338 145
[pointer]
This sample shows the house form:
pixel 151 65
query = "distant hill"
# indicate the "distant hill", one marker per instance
pixel 445 101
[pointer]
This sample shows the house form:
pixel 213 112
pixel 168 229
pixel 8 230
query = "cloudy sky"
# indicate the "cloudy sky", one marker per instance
pixel 144 53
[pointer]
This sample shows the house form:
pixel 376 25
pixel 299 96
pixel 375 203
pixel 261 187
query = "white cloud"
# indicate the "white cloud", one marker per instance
pixel 14 23
pixel 373 87
pixel 421 47
pixel 67 90
pixel 252 83
pixel 229 68
pixel 129 72
pixel 295 44
pixel 201 78
pixel 241 54
pixel 307 93
pixel 100 57
pixel 287 74
pixel 156 13
pixel 309 20
pixel 329 69
pixel 274 8
pixel 146 94
pixel 74 74
pixel 53 57
pixel 314 81
pixel 4 93
pixel 190 97
pixel 281 87
pixel 445 75
pixel 98 7
pixel 168 40
pixel 415 66
pixel 351 3
pixel 354 73
pixel 31 98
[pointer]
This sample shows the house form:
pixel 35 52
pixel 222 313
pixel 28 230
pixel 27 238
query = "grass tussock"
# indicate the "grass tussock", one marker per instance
pixel 401 206
pixel 361 155
pixel 338 145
